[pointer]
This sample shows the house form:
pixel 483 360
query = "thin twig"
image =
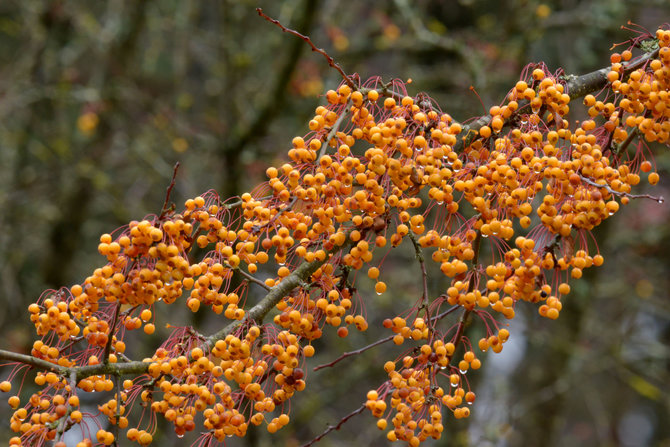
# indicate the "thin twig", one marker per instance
pixel 424 275
pixel 588 181
pixel 252 278
pixel 112 329
pixel 621 148
pixel 62 423
pixel 356 352
pixel 115 426
pixel 379 342
pixel 321 51
pixel 334 130
pixel 167 207
pixel 274 98
pixel 336 427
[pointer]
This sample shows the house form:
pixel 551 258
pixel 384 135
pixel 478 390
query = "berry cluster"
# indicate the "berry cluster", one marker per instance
pixel 504 206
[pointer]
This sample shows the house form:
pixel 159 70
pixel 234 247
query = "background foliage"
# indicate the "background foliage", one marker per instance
pixel 98 100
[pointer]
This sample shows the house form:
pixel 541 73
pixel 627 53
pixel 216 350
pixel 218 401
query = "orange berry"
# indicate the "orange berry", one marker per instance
pixel 145 315
pixel 14 402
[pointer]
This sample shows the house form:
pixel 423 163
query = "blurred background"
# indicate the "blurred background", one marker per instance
pixel 99 100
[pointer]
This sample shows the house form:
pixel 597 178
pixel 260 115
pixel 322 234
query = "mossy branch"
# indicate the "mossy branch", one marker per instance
pixel 82 372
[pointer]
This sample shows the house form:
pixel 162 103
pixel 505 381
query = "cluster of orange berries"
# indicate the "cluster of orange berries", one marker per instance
pixel 501 174
pixel 416 400
pixel 643 104
pixel 215 384
pixel 38 420
pixel 377 168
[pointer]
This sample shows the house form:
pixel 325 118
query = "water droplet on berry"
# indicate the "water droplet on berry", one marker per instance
pixel 463 372
pixel 661 200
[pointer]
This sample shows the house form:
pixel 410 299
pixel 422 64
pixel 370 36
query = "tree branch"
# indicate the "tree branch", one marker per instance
pixel 81 372
pixel 274 296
